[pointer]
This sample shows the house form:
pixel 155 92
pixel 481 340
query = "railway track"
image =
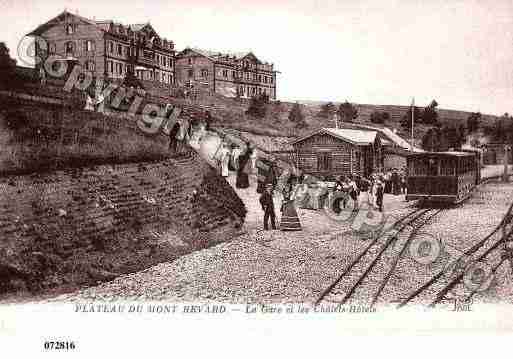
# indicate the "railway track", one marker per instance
pixel 372 276
pixel 455 277
pixel 377 262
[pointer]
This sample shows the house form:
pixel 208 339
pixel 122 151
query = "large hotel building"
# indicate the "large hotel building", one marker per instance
pixel 109 49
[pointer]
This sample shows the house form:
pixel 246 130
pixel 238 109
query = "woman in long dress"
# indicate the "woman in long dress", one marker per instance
pixel 289 218
pixel 224 159
pixel 197 134
pixel 242 175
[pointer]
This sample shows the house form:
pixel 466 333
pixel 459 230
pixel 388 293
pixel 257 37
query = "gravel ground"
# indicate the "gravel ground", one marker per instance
pixel 258 266
pixel 274 266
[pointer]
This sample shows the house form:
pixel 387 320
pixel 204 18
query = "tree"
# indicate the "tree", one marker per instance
pixel 347 112
pixel 327 110
pixel 379 117
pixel 296 115
pixel 406 120
pixel 455 139
pixel 509 132
pixel 462 136
pixel 498 131
pixel 501 131
pixel 435 140
pixel 429 115
pixel 257 107
pixel 473 122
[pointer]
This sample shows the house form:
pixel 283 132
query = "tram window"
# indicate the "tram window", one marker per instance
pixel 433 165
pixel 447 167
pixel 420 167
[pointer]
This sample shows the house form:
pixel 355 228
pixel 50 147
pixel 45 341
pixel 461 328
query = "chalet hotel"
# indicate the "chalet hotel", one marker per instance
pixel 110 49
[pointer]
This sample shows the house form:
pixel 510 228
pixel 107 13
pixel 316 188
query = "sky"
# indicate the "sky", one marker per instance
pixel 374 52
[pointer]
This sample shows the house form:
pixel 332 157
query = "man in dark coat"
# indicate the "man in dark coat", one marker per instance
pixel 173 141
pixel 396 183
pixel 267 203
pixel 379 193
pixel 208 120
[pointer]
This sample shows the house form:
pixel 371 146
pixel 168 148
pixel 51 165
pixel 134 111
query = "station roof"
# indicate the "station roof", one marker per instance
pixel 357 137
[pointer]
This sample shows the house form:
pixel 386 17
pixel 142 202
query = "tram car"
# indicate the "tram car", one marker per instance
pixel 447 177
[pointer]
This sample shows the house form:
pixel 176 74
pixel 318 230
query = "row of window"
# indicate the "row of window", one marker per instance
pixel 155 76
pixel 441 167
pixel 248 76
pixel 71 47
pixel 117 69
pixel 202 73
pixel 122 50
pixel 248 91
pixel 224 73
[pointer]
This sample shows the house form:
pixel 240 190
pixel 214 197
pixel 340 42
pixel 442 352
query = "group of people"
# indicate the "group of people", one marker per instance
pixel 357 188
pixel 289 217
pixel 232 157
pixel 395 181
pixel 188 130
pixel 373 188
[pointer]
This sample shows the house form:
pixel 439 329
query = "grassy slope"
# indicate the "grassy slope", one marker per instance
pixel 230 113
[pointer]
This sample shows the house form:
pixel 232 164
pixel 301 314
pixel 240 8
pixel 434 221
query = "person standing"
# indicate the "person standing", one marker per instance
pixel 404 185
pixel 224 156
pixel 173 141
pixel 353 191
pixel 364 188
pixel 379 193
pixel 388 182
pixel 267 203
pixel 289 218
pixel 396 183
pixel 266 174
pixel 208 121
pixel 197 136
pixel 372 189
pixel 242 180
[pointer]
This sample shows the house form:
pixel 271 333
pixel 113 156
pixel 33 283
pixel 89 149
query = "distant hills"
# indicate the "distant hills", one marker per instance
pixel 397 112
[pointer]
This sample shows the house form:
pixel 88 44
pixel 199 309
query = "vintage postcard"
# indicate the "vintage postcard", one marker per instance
pixel 195 171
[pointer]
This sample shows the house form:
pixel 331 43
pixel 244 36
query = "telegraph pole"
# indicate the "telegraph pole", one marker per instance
pixel 412 121
pixel 507 149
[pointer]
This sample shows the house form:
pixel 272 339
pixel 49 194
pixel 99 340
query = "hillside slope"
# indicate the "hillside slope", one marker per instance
pixel 230 113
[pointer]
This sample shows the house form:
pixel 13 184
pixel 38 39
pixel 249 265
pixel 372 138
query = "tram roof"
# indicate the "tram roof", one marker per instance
pixel 442 154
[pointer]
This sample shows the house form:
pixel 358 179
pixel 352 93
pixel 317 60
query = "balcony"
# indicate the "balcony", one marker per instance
pixel 147 61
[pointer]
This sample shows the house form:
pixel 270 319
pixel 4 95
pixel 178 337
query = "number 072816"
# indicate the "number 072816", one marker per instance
pixel 59 345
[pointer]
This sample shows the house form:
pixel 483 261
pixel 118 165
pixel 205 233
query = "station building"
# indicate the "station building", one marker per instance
pixel 339 152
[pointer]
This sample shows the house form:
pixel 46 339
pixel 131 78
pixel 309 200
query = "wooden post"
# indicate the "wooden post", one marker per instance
pixel 505 176
pixel 351 163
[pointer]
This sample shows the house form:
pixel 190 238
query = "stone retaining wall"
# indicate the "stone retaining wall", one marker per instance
pixel 79 226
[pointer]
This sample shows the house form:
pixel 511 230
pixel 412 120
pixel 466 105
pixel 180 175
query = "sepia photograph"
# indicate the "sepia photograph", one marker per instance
pixel 260 167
